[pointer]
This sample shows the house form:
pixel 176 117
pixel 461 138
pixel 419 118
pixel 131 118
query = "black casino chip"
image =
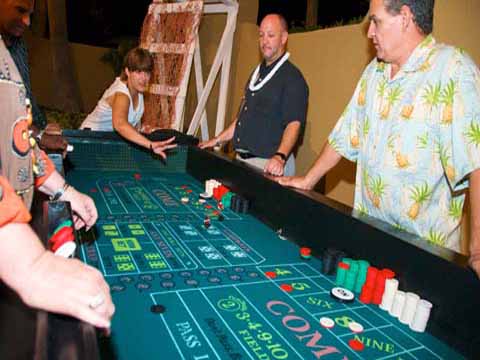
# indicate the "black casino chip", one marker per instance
pixel 342 295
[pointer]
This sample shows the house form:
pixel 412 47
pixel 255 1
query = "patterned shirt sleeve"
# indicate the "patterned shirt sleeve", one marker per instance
pixel 345 137
pixel 462 138
pixel 19 53
pixel 48 167
pixel 12 208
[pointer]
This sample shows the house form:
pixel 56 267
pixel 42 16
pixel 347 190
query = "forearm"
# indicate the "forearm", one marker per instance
pixel 54 183
pixel 475 214
pixel 327 160
pixel 49 282
pixel 127 131
pixel 20 248
pixel 227 134
pixel 289 138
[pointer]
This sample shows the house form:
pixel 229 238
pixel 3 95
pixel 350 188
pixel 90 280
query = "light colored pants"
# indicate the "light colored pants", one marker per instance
pixel 259 163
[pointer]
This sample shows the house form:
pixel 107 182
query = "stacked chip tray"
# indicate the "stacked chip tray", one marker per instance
pixel 54 214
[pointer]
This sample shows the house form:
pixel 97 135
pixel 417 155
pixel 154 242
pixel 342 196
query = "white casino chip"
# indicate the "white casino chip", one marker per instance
pixel 355 327
pixel 326 322
pixel 66 250
pixel 342 294
pixel 205 195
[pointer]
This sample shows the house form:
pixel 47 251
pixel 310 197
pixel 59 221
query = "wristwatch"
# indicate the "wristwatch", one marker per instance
pixel 282 156
pixel 59 193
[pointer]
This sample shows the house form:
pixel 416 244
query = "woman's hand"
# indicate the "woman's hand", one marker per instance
pixel 159 147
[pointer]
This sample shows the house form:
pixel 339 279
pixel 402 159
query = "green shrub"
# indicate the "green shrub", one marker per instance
pixel 64 119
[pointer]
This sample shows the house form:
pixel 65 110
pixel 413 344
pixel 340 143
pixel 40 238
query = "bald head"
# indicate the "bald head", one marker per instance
pixel 277 18
pixel 273 37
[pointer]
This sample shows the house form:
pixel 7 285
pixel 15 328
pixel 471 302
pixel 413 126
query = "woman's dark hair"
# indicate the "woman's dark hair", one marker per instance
pixel 137 59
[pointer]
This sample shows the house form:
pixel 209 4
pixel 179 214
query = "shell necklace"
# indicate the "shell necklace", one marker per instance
pixel 253 87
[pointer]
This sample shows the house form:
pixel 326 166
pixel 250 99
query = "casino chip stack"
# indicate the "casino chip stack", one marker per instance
pixel 381 288
pixel 209 186
pixel 362 275
pixel 391 287
pixel 378 287
pixel 369 286
pixel 62 241
pixel 409 308
pixel 341 273
pixel 382 277
pixel 219 191
pixel 398 303
pixel 227 199
pixel 422 314
pixel 330 260
pixel 239 204
pixel 352 274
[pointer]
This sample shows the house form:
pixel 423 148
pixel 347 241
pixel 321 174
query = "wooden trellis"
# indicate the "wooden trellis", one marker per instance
pixel 170 32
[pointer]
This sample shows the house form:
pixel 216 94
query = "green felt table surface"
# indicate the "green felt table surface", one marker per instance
pixel 219 304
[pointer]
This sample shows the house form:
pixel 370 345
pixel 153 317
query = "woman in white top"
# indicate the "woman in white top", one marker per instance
pixel 121 105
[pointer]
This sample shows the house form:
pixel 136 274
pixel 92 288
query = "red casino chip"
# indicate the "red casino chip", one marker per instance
pixel 137 176
pixel 61 241
pixel 367 294
pixel 287 287
pixel 356 345
pixel 305 251
pixel 64 234
pixel 388 273
pixel 271 274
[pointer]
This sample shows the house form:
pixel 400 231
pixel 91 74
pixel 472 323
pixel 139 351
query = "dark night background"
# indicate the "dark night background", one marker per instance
pixel 107 22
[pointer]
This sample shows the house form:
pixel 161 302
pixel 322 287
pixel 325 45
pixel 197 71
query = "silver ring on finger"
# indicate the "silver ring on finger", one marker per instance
pixel 96 301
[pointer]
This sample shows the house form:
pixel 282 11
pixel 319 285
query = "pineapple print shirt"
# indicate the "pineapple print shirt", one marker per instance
pixel 415 139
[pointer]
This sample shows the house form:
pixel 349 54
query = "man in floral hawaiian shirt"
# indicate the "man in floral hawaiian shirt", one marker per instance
pixel 413 128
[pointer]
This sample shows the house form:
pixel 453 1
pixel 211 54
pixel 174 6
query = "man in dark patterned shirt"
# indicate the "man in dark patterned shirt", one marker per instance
pixel 14 20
